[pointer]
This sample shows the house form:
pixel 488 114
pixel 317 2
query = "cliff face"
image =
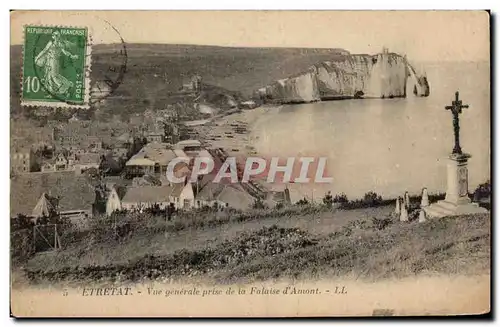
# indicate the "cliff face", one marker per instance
pixel 383 75
pixel 301 88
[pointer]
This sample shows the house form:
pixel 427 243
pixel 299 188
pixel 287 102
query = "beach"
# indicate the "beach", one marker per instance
pixel 233 132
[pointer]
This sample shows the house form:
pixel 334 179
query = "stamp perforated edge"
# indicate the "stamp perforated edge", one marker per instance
pixel 87 68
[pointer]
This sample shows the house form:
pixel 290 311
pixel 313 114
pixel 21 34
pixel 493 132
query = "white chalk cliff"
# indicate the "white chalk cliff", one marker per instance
pixel 384 75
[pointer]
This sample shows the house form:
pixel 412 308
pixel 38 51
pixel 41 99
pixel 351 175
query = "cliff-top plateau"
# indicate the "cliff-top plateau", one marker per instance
pixel 155 72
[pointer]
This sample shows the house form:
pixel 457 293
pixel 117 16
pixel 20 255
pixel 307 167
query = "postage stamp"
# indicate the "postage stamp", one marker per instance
pixel 56 67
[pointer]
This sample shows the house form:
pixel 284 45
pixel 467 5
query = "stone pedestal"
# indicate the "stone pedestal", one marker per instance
pixel 457 201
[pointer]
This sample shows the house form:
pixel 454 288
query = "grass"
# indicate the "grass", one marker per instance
pixel 153 235
pixel 327 242
pixel 452 245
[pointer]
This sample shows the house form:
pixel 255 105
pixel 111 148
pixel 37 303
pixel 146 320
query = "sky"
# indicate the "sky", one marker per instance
pixel 421 35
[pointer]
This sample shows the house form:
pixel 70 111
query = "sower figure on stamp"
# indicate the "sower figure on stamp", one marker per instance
pixel 49 59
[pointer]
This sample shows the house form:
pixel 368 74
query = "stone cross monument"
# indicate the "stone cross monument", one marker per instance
pixel 457 199
pixel 456 109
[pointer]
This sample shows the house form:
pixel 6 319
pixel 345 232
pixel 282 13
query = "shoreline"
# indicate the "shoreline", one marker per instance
pixel 233 132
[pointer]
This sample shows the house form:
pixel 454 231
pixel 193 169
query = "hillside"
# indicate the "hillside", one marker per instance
pixel 290 244
pixel 155 72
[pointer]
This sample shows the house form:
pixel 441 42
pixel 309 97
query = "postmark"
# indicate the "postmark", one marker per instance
pixel 56 67
pixel 111 72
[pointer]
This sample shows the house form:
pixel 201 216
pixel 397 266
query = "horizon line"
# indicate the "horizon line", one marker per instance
pixel 271 47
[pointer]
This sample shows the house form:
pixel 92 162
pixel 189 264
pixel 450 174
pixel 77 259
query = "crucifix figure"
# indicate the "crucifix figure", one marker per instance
pixel 456 109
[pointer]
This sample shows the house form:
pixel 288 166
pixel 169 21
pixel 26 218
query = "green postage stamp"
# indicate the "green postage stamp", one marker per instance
pixel 56 67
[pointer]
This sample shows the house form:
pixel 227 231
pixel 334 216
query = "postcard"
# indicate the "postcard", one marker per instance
pixel 250 163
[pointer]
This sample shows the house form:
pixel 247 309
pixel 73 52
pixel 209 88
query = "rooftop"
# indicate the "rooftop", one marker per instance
pixel 89 158
pixel 152 194
pixel 73 191
pixel 185 143
pixel 151 154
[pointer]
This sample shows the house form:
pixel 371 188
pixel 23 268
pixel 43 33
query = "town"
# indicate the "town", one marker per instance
pixel 81 168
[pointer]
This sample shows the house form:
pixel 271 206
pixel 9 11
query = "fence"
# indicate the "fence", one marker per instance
pixel 46 237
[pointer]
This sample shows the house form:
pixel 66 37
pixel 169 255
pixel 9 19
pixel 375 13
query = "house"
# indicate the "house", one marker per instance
pixel 72 156
pixel 82 134
pixel 48 166
pixel 125 138
pixel 250 104
pixel 193 85
pixel 88 160
pixel 123 141
pixel 235 197
pixel 224 195
pixel 68 194
pixel 204 108
pixel 261 93
pixel 110 181
pixel 58 163
pixel 153 158
pixel 72 134
pixel 93 144
pixel 76 151
pixel 156 136
pixel 181 170
pixel 74 118
pixel 191 149
pixel 188 145
pixel 115 197
pixel 79 117
pixel 149 113
pixel 45 207
pixel 206 193
pixel 146 180
pixel 141 197
pixel 22 160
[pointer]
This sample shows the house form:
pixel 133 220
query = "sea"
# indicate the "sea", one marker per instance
pixel 387 146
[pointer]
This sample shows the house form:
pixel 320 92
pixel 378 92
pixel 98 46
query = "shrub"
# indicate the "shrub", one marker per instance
pixel 328 199
pixel 357 224
pixel 381 223
pixel 302 202
pixel 372 198
pixel 482 191
pixel 340 198
pixel 259 204
pixel 21 245
pixel 20 222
